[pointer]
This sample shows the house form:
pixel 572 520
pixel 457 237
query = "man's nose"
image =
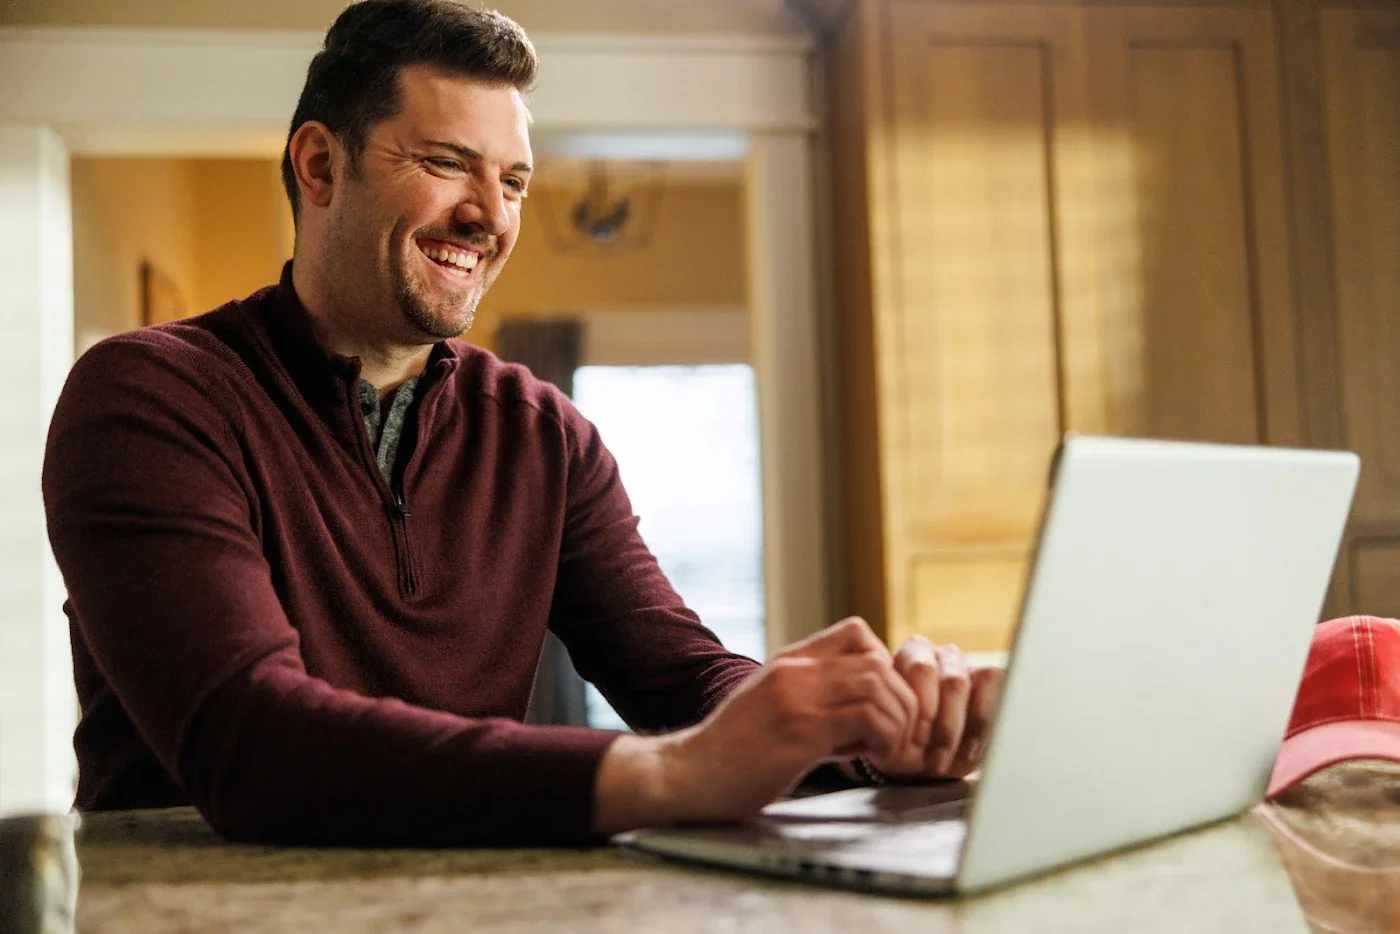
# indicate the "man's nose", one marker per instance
pixel 484 209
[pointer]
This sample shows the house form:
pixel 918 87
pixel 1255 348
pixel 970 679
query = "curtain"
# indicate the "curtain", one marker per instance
pixel 552 350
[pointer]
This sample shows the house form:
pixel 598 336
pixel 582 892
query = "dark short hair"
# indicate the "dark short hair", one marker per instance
pixel 353 82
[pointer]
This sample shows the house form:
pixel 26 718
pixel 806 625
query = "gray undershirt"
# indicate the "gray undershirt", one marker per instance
pixel 386 430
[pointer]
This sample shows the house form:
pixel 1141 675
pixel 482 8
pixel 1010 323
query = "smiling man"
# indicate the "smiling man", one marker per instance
pixel 313 542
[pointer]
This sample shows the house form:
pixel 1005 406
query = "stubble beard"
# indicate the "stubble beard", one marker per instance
pixel 417 309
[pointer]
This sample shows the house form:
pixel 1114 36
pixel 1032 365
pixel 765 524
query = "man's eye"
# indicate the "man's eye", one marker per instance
pixel 449 164
pixel 516 185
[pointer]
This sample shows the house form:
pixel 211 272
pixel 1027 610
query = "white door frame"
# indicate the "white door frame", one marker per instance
pixel 215 92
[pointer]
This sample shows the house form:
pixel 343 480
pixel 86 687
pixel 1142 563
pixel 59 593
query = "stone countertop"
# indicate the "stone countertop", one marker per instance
pixel 1335 842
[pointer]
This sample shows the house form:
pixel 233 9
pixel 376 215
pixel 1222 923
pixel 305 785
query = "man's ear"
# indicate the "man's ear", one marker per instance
pixel 315 152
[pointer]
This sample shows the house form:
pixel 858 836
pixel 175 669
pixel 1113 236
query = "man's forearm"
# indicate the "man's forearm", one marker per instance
pixel 277 756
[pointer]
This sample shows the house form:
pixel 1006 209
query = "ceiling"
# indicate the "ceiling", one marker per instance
pixel 741 17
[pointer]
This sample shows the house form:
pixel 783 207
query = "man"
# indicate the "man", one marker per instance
pixel 313 542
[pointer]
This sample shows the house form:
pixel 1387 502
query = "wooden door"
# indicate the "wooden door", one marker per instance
pixel 987 271
pixel 1361 55
pixel 1197 314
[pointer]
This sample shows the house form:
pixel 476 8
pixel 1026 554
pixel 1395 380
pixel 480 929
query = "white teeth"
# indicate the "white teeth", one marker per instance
pixel 466 261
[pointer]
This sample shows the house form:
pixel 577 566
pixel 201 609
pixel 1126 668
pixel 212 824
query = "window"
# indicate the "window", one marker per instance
pixel 686 443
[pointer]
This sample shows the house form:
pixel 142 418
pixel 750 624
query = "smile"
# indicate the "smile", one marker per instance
pixel 450 258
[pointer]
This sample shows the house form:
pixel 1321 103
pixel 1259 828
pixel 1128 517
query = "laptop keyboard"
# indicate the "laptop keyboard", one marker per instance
pixel 894 804
pixel 905 838
pixel 925 836
pixel 927 849
pixel 905 830
pixel 947 810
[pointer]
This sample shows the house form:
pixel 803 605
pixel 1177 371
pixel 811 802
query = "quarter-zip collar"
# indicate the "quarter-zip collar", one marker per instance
pixel 328 381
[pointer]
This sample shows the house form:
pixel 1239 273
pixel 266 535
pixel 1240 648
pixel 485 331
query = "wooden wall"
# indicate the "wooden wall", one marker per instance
pixel 1173 220
pixel 1361 106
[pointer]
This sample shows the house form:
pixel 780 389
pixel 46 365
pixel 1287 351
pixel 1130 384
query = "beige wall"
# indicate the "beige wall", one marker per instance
pixel 652 16
pixel 239 231
pixel 694 260
pixel 212 226
pixel 124 211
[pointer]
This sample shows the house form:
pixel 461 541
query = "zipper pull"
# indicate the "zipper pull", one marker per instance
pixel 409 580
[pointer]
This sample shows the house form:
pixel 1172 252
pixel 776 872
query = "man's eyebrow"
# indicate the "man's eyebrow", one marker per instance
pixel 466 152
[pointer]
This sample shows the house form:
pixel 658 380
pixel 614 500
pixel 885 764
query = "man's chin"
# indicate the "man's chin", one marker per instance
pixel 436 310
pixel 440 327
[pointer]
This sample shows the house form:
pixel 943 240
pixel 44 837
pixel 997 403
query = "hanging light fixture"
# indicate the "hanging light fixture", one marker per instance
pixel 614 207
pixel 598 216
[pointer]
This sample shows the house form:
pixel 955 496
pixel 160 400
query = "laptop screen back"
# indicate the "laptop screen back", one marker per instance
pixel 1163 634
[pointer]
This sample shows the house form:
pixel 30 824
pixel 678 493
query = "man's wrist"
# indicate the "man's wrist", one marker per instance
pixel 636 785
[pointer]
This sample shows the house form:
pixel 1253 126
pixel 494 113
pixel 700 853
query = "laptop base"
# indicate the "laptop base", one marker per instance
pixel 901 840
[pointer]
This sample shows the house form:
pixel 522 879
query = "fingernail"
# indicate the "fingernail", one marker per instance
pixel 942 759
pixel 974 751
pixel 922 730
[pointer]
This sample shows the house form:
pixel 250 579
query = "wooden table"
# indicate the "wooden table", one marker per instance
pixel 1335 842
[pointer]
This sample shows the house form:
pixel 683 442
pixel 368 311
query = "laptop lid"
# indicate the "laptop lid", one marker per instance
pixel 1161 641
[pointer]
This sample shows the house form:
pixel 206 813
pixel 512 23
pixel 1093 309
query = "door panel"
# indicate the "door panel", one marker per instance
pixel 960 590
pixel 1376 577
pixel 1361 55
pixel 986 148
pixel 1196 294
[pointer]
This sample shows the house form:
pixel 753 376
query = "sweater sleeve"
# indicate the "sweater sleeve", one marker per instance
pixel 625 627
pixel 154 527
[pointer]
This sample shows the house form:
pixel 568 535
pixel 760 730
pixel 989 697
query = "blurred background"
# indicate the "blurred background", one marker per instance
pixel 831 276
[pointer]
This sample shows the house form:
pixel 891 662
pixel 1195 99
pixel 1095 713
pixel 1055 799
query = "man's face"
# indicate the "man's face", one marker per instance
pixel 432 212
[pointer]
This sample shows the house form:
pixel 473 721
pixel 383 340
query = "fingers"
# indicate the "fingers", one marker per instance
pixel 850 703
pixel 922 702
pixel 851 636
pixel 917 663
pixel 865 728
pixel 853 683
pixel 954 690
pixel 860 677
pixel 986 686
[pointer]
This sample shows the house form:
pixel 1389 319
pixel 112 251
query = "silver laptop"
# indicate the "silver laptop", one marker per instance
pixel 1162 636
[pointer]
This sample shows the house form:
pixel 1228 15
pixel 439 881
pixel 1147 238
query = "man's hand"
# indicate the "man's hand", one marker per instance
pixel 956 707
pixel 835 694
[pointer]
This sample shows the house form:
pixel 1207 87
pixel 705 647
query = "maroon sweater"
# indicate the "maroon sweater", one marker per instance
pixel 264 628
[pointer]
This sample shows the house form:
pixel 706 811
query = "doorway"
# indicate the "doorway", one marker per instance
pixel 686 443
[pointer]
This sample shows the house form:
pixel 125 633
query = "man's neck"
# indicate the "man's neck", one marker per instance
pixel 384 368
pixel 384 363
